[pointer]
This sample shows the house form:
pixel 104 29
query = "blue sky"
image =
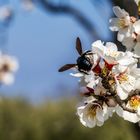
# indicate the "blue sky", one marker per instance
pixel 43 42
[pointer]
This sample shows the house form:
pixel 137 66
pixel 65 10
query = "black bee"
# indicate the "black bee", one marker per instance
pixel 84 61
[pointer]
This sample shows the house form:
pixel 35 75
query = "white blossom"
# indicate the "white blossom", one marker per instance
pixel 124 64
pixel 122 23
pixel 5 13
pixel 92 113
pixel 133 42
pixel 127 81
pixel 133 104
pixel 8 66
pixel 111 55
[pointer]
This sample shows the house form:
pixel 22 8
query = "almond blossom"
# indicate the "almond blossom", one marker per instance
pixel 133 42
pixel 113 82
pixel 133 104
pixel 93 113
pixel 115 65
pixel 122 23
pixel 111 55
pixel 8 66
pixel 125 83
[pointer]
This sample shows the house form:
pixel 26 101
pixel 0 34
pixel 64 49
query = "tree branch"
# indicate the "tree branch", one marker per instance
pixel 73 12
pixel 123 105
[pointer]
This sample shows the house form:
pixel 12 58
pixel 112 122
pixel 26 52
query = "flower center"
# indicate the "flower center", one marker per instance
pixel 4 68
pixel 135 102
pixel 122 78
pixel 104 71
pixel 122 23
pixel 112 53
pixel 92 111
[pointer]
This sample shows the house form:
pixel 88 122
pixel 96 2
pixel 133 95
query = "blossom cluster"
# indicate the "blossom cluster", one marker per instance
pixel 8 66
pixel 128 28
pixel 110 86
pixel 109 78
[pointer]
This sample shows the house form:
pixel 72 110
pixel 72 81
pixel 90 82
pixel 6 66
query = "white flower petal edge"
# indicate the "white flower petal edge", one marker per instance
pixel 137 2
pixel 6 78
pixel 122 23
pixel 113 24
pixel 111 55
pixel 120 13
pixel 133 104
pixel 127 81
pixel 92 114
pixel 8 66
pixel 131 40
pixel 131 117
pixel 137 49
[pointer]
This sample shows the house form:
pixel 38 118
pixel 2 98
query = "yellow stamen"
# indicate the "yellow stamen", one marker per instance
pixel 122 78
pixel 121 23
pixel 135 102
pixel 104 71
pixel 112 53
pixel 92 111
pixel 111 82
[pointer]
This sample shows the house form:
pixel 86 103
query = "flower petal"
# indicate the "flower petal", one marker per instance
pixel 136 26
pixel 137 49
pixel 132 117
pixel 98 48
pixel 114 24
pixel 111 46
pixel 121 93
pixel 99 115
pixel 119 111
pixel 120 13
pixel 123 32
pixel 6 78
pixel 99 123
pixel 137 84
pixel 129 43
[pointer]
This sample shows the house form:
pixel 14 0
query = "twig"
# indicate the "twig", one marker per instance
pixel 76 14
pixel 123 105
pixel 131 94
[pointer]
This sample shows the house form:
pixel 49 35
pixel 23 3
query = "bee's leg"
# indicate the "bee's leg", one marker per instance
pixel 90 53
pixel 83 71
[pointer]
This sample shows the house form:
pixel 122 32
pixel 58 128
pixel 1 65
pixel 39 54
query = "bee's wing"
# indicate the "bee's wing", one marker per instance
pixel 66 67
pixel 79 46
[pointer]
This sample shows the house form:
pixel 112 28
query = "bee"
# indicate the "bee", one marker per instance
pixel 84 62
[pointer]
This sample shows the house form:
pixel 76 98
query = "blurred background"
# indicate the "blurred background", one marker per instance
pixel 41 104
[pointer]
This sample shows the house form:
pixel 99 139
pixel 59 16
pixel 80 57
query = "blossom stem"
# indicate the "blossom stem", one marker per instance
pixel 131 94
pixel 123 105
